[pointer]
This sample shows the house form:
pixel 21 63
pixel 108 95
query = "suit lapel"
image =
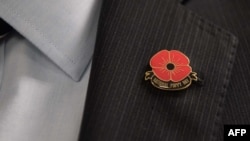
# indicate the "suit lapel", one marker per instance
pixel 122 106
pixel 236 107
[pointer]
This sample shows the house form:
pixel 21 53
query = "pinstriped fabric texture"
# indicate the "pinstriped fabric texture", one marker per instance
pixel 121 106
pixel 234 15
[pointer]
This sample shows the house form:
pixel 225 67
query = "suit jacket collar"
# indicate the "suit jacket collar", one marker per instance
pixel 122 106
pixel 64 31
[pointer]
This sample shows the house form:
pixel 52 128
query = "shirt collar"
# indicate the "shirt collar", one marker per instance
pixel 64 31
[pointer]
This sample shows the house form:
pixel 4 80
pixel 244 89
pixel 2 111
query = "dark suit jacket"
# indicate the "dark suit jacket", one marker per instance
pixel 122 106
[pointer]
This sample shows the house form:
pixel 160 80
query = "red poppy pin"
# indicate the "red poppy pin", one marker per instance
pixel 170 71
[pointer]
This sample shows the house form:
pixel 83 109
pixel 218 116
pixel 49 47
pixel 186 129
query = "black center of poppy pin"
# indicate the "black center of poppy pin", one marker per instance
pixel 170 66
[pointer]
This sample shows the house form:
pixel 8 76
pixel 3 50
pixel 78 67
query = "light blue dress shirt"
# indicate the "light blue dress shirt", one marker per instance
pixel 45 67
